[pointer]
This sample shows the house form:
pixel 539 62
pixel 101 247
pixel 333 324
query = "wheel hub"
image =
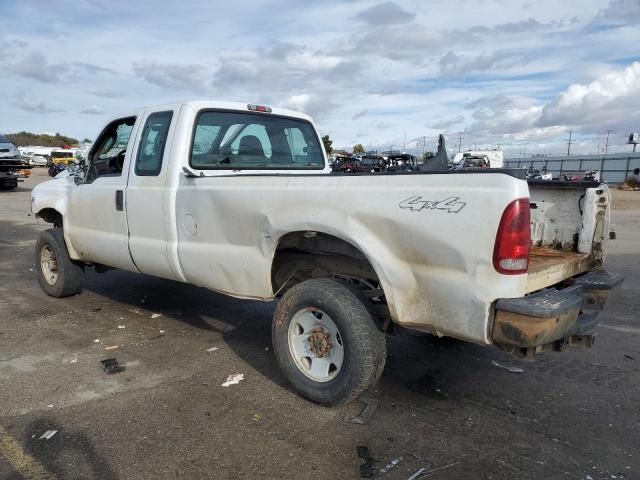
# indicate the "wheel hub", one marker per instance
pixel 320 342
pixel 315 344
pixel 49 265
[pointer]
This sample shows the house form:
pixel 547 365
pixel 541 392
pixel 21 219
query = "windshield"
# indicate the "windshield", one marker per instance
pixel 236 141
pixel 4 139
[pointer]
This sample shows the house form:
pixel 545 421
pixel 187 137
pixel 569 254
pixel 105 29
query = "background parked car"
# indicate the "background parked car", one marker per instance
pixel 8 149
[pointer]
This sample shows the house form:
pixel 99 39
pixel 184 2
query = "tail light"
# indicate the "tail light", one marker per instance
pixel 511 250
pixel 258 108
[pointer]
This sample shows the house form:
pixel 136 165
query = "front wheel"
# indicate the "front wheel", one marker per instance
pixel 58 275
pixel 326 342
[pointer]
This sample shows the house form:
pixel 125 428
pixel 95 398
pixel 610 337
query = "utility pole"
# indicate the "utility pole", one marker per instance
pixel 606 146
pixel 569 142
pixel 460 143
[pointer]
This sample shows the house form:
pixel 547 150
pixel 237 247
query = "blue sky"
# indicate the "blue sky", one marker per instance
pixel 520 74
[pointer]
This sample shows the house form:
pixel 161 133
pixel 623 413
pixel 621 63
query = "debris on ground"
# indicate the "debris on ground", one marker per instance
pixel 212 349
pixel 74 360
pixel 111 365
pixel 161 331
pixel 233 379
pixel 97 340
pixel 508 368
pixel 417 473
pixel 121 326
pixel 370 406
pixel 156 315
pixel 630 357
pixel 429 472
pixel 367 470
pixel 50 405
pixel 389 466
pixel 112 347
pixel 48 434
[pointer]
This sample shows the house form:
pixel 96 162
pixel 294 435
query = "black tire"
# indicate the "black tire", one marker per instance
pixel 364 345
pixel 69 273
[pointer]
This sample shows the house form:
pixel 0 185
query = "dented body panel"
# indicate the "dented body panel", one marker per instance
pixel 429 237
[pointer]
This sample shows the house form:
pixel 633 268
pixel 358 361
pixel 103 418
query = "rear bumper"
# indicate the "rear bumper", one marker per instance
pixel 551 319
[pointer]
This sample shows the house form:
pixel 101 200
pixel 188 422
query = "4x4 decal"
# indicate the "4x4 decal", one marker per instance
pixel 450 205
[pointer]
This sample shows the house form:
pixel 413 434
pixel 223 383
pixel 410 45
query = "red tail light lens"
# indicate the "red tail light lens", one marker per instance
pixel 258 108
pixel 511 250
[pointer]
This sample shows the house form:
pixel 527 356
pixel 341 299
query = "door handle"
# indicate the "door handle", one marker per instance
pixel 119 200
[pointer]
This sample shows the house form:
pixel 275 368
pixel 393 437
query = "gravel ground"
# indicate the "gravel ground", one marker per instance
pixel 572 415
pixel 625 199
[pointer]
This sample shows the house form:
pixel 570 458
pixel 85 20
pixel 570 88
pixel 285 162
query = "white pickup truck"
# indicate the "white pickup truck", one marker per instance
pixel 240 199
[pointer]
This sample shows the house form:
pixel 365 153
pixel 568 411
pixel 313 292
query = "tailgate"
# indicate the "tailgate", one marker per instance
pixel 569 228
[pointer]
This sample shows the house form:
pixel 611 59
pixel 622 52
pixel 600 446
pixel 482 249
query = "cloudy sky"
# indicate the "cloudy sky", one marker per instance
pixel 516 73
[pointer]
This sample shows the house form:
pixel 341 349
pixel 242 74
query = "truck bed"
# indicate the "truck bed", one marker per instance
pixel 548 266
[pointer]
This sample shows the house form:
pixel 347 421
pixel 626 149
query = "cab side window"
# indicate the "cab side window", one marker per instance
pixel 152 143
pixel 106 158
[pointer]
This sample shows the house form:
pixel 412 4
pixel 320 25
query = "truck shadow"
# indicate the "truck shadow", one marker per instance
pixel 419 364
pixel 244 325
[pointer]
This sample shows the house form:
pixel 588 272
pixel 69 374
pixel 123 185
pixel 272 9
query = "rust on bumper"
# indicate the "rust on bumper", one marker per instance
pixel 553 318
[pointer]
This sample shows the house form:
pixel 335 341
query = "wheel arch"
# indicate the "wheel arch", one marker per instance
pixel 304 254
pixel 50 215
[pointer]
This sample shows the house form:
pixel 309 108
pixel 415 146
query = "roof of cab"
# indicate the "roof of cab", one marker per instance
pixel 241 107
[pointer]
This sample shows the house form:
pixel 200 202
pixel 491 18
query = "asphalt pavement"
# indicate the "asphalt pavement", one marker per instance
pixel 442 404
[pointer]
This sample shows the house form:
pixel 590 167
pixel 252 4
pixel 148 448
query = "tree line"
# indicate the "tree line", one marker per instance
pixel 23 139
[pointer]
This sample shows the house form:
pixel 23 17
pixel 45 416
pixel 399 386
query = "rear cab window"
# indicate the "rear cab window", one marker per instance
pixel 152 144
pixel 225 140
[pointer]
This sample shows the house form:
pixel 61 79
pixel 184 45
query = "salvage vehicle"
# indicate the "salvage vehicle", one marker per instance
pixel 240 199
pixel 8 151
pixel 59 161
pixel 10 163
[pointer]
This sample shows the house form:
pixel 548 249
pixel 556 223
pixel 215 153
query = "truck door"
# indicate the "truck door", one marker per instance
pixel 95 222
pixel 146 195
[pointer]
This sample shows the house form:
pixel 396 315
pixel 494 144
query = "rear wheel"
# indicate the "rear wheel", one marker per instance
pixel 58 275
pixel 326 341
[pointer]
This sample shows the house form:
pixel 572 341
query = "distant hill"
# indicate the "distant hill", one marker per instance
pixel 23 139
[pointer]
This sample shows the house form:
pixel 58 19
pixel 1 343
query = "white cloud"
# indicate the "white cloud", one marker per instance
pixel 312 62
pixel 33 105
pixel 447 123
pixel 307 103
pixel 609 101
pixel 386 13
pixel 192 77
pixel 612 99
pixel 619 12
pixel 506 71
pixel 93 110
